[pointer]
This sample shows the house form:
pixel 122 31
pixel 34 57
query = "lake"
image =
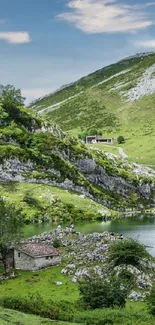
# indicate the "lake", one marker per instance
pixel 141 228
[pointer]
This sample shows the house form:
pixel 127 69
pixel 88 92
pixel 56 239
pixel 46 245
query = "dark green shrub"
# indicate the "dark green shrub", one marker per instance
pixel 57 243
pixel 30 200
pixel 127 252
pixel 117 316
pixel 120 139
pixel 96 293
pixel 151 301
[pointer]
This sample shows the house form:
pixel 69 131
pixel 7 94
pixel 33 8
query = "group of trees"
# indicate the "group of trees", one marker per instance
pixel 11 224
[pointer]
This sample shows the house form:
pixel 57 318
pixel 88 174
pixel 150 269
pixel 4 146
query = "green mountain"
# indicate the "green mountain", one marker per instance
pixel 43 170
pixel 118 99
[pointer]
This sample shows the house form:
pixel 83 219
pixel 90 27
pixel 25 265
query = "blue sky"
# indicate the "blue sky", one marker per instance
pixel 47 43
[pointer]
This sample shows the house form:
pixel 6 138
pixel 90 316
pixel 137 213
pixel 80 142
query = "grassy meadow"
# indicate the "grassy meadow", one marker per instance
pixel 43 282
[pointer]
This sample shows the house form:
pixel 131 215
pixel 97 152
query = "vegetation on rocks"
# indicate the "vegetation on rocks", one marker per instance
pixel 34 151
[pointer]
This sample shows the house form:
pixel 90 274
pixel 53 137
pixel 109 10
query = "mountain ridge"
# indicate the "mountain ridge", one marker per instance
pixel 136 56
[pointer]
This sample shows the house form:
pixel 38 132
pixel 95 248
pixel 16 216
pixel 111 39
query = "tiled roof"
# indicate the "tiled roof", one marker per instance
pixel 38 249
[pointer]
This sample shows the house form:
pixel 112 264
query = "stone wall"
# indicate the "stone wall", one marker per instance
pixel 42 262
pixel 25 262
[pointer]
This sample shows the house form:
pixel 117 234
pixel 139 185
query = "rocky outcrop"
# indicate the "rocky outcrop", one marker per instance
pixel 24 171
pixel 98 175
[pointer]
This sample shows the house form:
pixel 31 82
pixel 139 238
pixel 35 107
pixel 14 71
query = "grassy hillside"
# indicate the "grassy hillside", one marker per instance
pixel 118 99
pixel 41 202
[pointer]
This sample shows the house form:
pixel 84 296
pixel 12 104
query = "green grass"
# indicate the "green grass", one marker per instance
pixel 16 192
pixel 12 317
pixel 104 147
pixel 42 282
pixel 44 196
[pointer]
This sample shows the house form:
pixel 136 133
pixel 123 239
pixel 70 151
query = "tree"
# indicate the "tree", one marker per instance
pixel 84 135
pixel 127 252
pixel 11 223
pixel 151 301
pixel 11 99
pixel 96 293
pixel 120 139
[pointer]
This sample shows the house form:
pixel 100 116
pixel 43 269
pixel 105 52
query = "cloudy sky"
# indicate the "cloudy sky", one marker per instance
pixel 45 44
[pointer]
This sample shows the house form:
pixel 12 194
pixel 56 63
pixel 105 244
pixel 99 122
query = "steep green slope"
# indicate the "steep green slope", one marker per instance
pixel 119 99
pixel 36 152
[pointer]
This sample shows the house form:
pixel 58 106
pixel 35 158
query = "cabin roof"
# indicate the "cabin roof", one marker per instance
pixel 38 249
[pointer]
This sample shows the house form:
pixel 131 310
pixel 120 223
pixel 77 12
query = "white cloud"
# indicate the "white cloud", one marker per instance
pixel 15 37
pixel 102 16
pixel 35 93
pixel 146 44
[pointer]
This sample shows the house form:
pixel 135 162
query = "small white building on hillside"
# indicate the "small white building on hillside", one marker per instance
pixel 98 139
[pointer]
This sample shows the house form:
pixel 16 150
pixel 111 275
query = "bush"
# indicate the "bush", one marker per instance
pixel 98 294
pixel 57 243
pixel 120 139
pixel 35 304
pixel 128 252
pixel 151 301
pixel 113 317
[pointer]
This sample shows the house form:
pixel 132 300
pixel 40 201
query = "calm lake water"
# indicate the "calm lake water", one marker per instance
pixel 141 228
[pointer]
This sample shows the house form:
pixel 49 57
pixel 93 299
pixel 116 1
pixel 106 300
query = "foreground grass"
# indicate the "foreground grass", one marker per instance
pixel 43 282
pixel 114 317
pixel 12 317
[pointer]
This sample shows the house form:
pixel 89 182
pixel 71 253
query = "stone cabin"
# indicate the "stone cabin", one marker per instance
pixel 35 256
